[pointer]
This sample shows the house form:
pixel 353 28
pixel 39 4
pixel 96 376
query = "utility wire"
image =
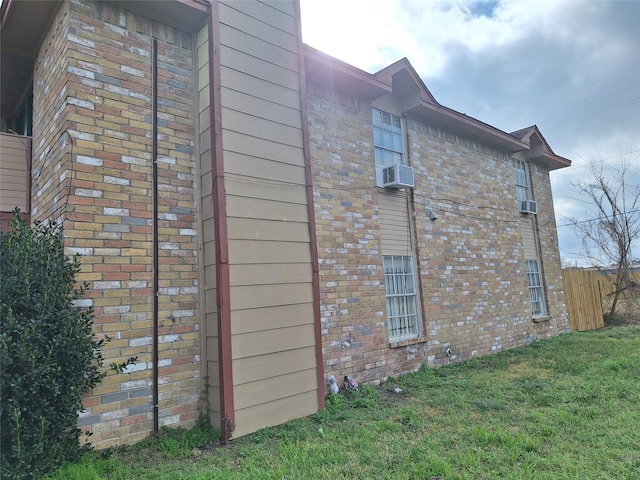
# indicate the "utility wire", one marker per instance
pixel 602 160
pixel 591 115
pixel 571 91
pixel 588 103
pixel 594 219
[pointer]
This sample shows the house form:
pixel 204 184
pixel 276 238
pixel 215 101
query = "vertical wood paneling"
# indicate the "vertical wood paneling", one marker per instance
pixel 528 237
pixel 394 222
pixel 584 302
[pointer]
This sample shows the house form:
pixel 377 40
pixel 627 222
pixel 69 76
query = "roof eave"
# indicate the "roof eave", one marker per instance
pixel 542 154
pixel 336 74
pixel 552 162
pixel 187 15
pixel 467 126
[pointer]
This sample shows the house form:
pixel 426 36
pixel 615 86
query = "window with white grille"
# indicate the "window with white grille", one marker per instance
pixel 387 138
pixel 522 182
pixel 536 290
pixel 400 291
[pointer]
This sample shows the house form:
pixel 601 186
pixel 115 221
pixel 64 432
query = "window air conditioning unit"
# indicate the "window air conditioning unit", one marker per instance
pixel 398 176
pixel 528 206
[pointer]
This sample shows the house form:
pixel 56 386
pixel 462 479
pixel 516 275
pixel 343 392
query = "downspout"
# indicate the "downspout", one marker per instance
pixel 413 230
pixel 154 188
pixel 536 239
pixel 223 293
pixel 308 173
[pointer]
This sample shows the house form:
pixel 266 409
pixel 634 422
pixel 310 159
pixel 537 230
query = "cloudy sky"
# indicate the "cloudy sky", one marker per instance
pixel 570 67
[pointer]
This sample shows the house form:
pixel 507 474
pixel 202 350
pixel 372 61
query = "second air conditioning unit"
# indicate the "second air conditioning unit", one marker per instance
pixel 528 206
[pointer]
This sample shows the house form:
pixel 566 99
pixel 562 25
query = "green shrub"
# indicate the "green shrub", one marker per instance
pixel 48 353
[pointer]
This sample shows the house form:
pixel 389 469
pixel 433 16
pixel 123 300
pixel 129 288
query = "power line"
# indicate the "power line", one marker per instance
pixel 588 103
pixel 591 115
pixel 593 219
pixel 602 160
pixel 571 91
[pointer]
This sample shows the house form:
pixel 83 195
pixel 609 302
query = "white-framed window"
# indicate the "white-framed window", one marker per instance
pixel 400 293
pixel 387 138
pixel 522 180
pixel 536 290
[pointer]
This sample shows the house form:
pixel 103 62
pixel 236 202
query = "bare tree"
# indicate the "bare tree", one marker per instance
pixel 608 237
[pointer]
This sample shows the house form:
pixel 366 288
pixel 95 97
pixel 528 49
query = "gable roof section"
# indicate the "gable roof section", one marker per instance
pixel 401 79
pixel 404 79
pixel 539 150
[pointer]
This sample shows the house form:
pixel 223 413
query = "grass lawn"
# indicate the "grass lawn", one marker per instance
pixel 564 408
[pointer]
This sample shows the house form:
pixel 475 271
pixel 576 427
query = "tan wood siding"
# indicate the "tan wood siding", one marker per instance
pixel 257 67
pixel 272 319
pixel 528 238
pixel 261 128
pixel 257 252
pixel 262 229
pixel 274 413
pixel 259 148
pixel 260 18
pixel 208 261
pixel 261 189
pixel 256 296
pixel 246 207
pixel 269 52
pixel 257 106
pixel 14 172
pixel 269 318
pixel 265 170
pixel 265 342
pixel 210 273
pixel 274 388
pixel 257 367
pixel 394 222
pixel 245 275
pixel 259 87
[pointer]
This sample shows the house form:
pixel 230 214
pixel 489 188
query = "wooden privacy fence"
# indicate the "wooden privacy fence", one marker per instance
pixel 607 284
pixel 584 301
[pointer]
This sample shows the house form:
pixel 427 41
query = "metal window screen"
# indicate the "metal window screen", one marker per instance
pixel 400 291
pixel 536 292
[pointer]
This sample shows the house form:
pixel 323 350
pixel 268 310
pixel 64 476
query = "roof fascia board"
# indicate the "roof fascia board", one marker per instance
pixel 473 127
pixel 342 67
pixel 326 69
pixel 360 80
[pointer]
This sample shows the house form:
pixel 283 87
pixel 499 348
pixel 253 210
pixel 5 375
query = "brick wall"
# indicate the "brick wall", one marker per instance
pixel 49 141
pixel 474 291
pixel 93 164
pixel 551 264
pixel 351 277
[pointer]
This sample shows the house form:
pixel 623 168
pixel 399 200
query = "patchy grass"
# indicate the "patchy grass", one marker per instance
pixel 565 408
